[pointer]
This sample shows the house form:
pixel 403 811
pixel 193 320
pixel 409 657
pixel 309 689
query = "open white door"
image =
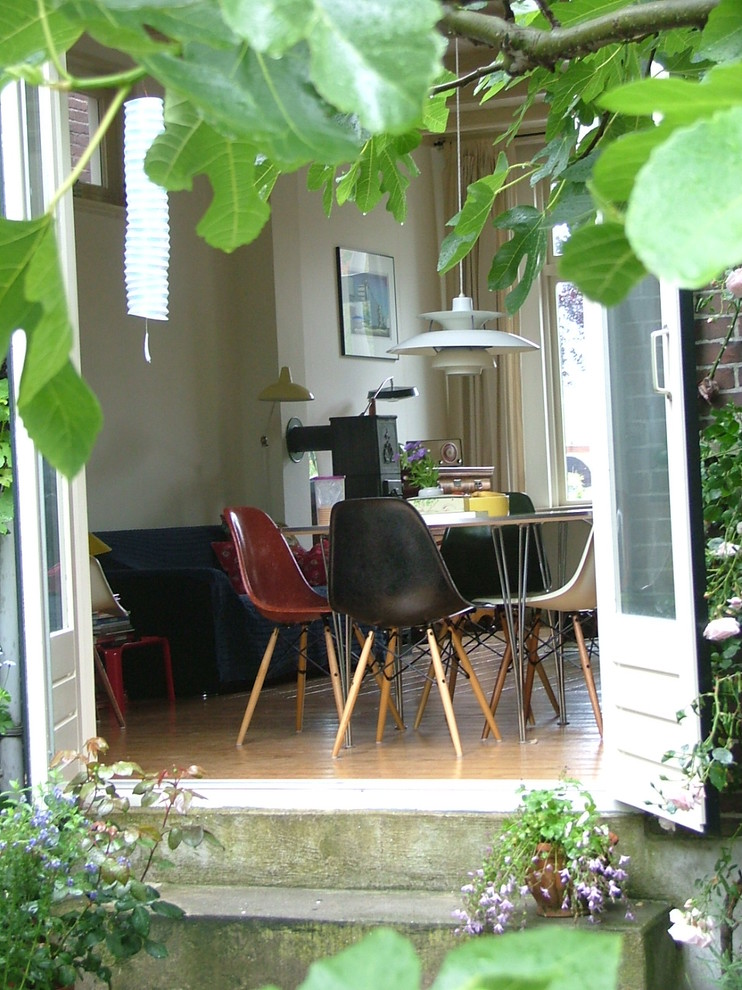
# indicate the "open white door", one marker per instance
pixel 647 505
pixel 51 523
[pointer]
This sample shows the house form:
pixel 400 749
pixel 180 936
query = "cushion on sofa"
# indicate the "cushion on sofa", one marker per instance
pixel 227 557
pixel 312 562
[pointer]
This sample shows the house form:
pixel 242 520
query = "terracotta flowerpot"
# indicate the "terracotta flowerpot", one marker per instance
pixel 545 882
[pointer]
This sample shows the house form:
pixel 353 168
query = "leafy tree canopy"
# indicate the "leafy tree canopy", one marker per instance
pixel 642 149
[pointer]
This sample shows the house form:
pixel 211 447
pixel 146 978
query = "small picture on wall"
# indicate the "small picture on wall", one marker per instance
pixel 368 304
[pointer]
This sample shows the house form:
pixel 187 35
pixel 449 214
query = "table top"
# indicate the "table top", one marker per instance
pixel 444 520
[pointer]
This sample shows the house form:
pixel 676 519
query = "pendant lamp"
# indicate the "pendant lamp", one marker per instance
pixel 147 238
pixel 462 345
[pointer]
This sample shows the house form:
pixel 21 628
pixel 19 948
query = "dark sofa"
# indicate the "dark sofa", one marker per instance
pixel 171 582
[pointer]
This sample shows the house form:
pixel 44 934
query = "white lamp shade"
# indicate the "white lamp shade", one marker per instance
pixel 463 361
pixel 464 346
pixel 492 341
pixel 147 239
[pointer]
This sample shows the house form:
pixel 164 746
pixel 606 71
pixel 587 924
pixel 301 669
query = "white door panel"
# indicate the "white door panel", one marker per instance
pixel 51 526
pixel 644 559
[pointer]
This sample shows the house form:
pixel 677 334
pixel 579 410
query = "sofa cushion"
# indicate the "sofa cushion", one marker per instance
pixel 227 557
pixel 313 564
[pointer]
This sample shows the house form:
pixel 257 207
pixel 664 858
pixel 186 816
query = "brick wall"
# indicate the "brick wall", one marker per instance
pixel 79 129
pixel 712 323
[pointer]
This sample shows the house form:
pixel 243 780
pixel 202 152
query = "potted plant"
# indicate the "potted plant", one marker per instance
pixel 554 849
pixel 419 470
pixel 73 895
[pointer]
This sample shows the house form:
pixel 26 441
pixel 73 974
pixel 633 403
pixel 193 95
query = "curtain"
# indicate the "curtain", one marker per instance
pixel 484 410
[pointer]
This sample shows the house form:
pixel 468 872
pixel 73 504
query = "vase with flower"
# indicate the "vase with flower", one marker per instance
pixel 419 471
pixel 555 850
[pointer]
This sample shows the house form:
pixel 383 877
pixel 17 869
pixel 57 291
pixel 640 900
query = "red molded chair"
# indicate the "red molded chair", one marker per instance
pixel 279 591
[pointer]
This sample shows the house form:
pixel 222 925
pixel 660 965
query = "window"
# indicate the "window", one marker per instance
pixel 572 393
pixel 102 178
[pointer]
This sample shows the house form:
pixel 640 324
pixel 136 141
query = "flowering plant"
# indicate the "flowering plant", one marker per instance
pixel 417 466
pixel 6 719
pixel 728 290
pixel 578 875
pixel 707 919
pixel 713 760
pixel 73 896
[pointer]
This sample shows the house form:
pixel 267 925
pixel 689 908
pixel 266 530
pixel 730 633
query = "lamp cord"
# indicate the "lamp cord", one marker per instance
pixel 458 155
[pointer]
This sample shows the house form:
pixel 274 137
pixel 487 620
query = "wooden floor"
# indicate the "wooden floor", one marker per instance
pixel 204 731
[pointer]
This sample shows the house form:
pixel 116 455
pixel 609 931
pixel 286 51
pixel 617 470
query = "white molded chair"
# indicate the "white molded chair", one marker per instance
pixel 577 596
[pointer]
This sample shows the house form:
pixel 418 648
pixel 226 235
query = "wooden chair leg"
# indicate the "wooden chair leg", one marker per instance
pixel 355 687
pixel 385 678
pixel 257 686
pixel 301 677
pixel 535 666
pixel 587 672
pixel 378 671
pixel 423 703
pixel 476 687
pixel 505 664
pixel 429 678
pixel 530 675
pixel 544 678
pixel 443 688
pixel 105 681
pixel 332 661
pixel 454 669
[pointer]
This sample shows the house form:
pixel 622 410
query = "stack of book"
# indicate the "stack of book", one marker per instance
pixel 111 628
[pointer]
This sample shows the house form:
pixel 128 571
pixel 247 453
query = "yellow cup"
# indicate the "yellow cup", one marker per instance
pixel 493 503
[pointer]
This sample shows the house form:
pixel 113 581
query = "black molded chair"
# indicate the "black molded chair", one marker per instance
pixel 386 573
pixel 280 592
pixel 470 556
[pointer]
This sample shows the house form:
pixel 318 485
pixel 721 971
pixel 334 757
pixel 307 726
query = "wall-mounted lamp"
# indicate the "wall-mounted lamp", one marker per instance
pixel 285 390
pixel 389 394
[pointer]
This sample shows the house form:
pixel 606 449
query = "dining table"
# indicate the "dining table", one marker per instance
pixel 514 595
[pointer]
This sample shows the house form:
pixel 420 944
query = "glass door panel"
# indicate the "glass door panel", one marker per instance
pixel 640 457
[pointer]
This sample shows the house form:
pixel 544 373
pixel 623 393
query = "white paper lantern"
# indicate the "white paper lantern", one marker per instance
pixel 147 242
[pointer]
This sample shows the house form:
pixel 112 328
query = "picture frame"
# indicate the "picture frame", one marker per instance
pixel 367 300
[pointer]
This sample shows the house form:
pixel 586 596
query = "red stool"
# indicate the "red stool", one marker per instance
pixel 113 659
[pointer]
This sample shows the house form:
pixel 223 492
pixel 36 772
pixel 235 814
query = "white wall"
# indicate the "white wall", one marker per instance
pixel 172 450
pixel 305 243
pixel 182 435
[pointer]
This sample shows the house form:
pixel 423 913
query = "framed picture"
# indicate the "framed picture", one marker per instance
pixel 368 304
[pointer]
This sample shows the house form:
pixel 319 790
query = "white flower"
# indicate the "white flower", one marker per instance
pixel 735 603
pixel 720 629
pixel 734 283
pixel 690 928
pixel 725 549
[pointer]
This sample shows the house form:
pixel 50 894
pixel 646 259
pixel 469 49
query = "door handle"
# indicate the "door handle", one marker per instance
pixel 660 340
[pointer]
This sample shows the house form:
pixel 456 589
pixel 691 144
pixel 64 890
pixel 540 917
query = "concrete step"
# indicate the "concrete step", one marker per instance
pixel 239 938
pixel 378 850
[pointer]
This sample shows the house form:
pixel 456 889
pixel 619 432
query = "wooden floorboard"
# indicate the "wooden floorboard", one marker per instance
pixel 204 731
